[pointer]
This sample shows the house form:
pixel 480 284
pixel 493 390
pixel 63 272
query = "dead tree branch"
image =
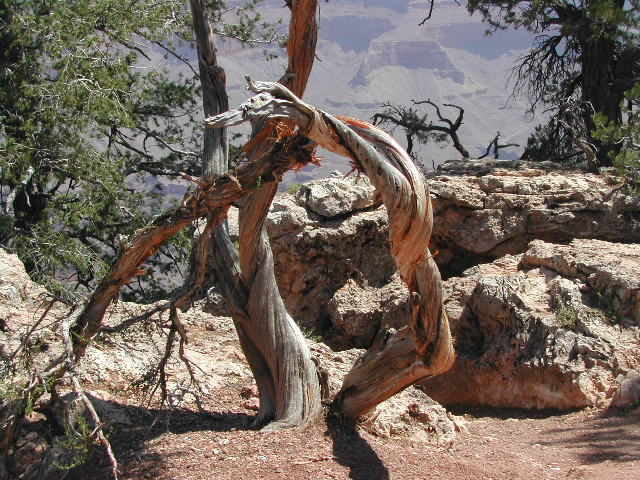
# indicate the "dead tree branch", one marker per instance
pixel 424 20
pixel 97 434
pixel 497 146
pixel 418 127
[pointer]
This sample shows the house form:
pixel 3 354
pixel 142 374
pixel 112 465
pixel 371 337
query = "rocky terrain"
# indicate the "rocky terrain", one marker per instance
pixel 408 436
pixel 487 209
pixel 548 317
pixel 119 372
pixel 555 327
pixel 330 238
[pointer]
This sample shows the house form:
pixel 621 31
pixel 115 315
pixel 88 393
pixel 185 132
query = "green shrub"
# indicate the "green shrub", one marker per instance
pixel 567 316
pixel 293 188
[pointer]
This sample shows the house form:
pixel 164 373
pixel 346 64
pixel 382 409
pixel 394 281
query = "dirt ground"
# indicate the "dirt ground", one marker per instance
pixel 184 444
pixel 498 444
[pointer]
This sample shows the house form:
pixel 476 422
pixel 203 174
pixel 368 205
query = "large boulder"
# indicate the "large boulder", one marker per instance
pixel 555 327
pixel 18 294
pixel 321 241
pixel 357 311
pixel 409 414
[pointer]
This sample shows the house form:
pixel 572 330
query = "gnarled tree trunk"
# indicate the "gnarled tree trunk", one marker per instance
pixel 271 341
pixel 422 348
pixel 280 359
pixel 273 344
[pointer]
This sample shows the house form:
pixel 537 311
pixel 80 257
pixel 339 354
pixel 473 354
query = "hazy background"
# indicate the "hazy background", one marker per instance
pixel 373 51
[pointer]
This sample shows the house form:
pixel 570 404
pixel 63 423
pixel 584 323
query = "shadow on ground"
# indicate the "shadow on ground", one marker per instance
pixel 131 442
pixel 504 413
pixel 354 452
pixel 610 435
pixel 143 425
pixel 613 435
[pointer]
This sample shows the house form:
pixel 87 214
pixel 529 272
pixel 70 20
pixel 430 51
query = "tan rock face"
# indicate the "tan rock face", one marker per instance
pixel 358 311
pixel 16 288
pixel 479 218
pixel 21 304
pixel 316 255
pixel 412 414
pixel 555 327
pixel 330 240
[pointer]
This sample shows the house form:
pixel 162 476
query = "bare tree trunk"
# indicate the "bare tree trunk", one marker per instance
pixel 285 373
pixel 215 154
pixel 423 348
pixel 271 341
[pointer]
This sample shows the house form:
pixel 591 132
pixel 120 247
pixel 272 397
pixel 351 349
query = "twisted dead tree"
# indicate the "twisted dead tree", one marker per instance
pixel 272 342
pixel 497 146
pixel 286 132
pixel 422 348
pixel 417 126
pixel 281 362
pixel 396 360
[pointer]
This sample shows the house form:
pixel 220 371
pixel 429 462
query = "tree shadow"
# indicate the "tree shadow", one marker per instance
pixel 134 427
pixel 612 435
pixel 354 452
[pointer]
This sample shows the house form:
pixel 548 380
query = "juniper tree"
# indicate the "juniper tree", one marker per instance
pixel 585 50
pixel 87 103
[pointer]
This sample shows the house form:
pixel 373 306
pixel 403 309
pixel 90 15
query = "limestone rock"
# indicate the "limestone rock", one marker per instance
pixel 337 195
pixel 16 286
pixel 411 413
pixel 315 256
pixel 484 210
pixel 358 311
pixel 555 327
pixel 629 393
pixel 19 296
pixel 613 270
pixel 22 302
pixel 215 302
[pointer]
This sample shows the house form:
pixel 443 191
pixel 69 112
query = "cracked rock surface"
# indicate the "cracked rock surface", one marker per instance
pixel 555 327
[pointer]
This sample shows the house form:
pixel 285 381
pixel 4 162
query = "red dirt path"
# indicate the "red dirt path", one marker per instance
pixel 499 444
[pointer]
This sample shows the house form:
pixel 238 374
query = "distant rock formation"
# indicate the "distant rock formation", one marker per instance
pixel 409 54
